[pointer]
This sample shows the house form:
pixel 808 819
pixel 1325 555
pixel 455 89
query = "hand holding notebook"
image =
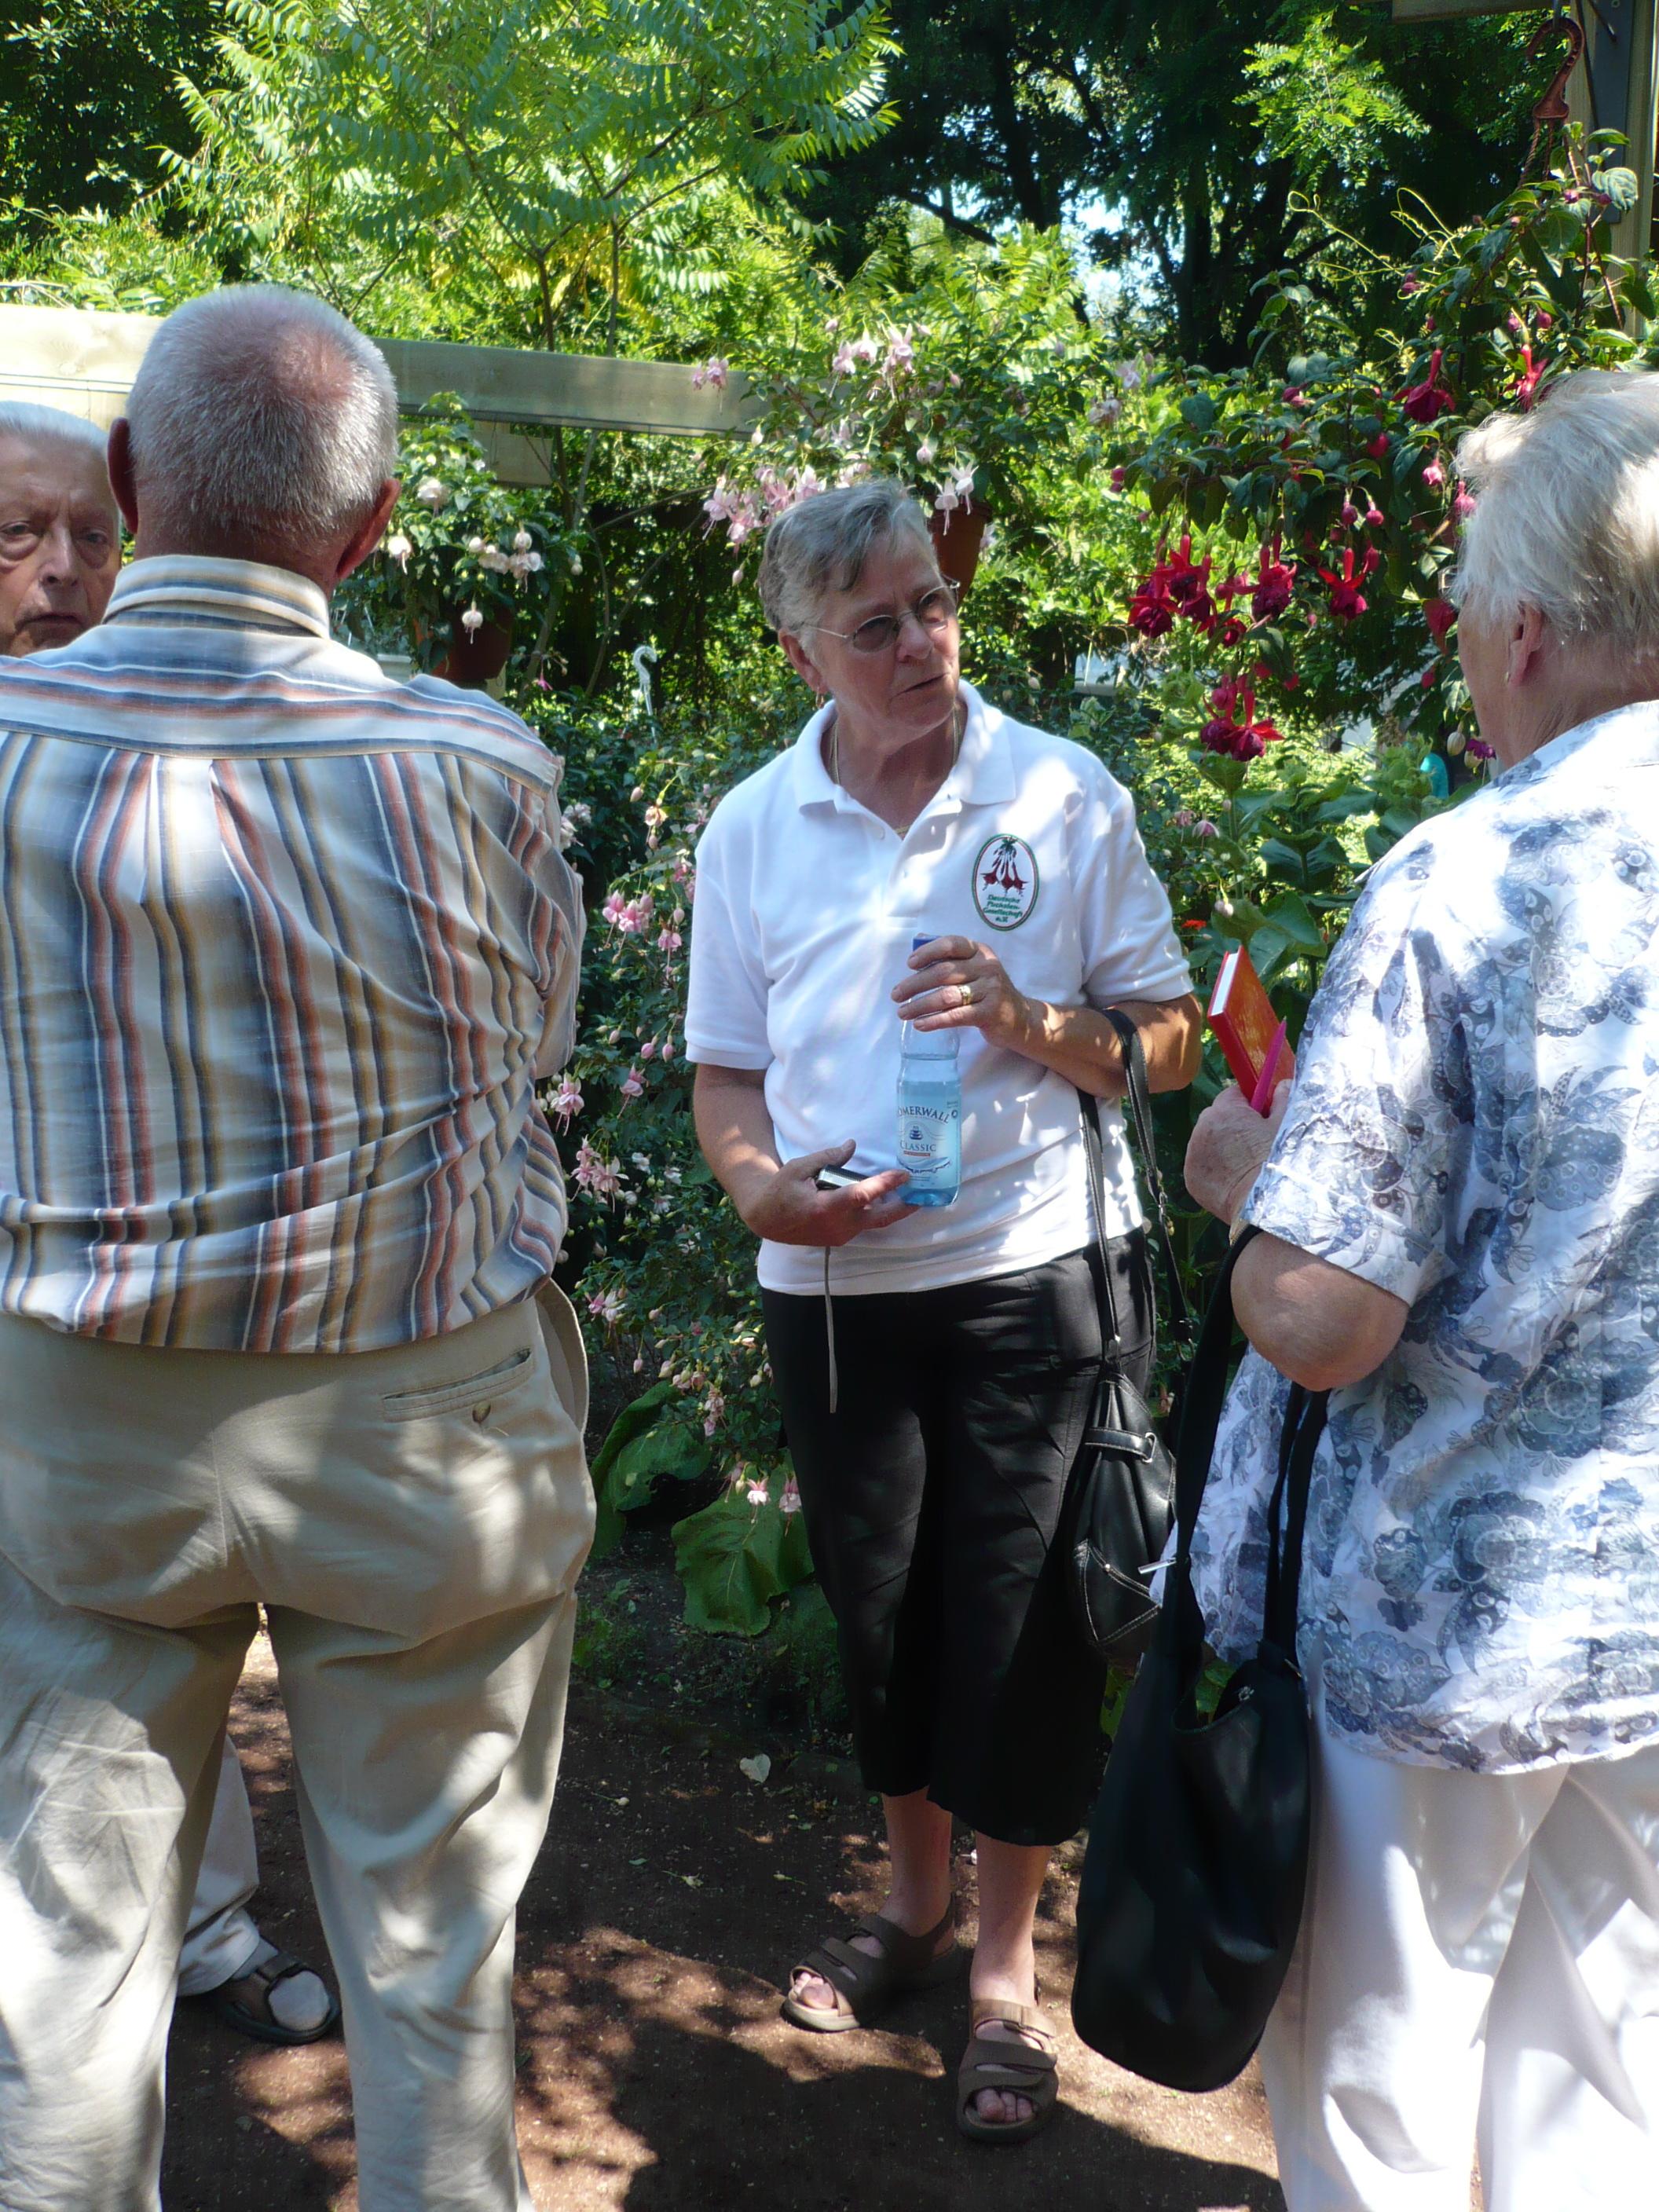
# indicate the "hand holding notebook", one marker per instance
pixel 1250 1035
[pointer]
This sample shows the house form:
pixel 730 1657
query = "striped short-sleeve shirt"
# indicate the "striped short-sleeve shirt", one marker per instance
pixel 285 946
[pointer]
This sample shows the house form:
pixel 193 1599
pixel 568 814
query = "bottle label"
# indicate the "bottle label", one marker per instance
pixel 929 1139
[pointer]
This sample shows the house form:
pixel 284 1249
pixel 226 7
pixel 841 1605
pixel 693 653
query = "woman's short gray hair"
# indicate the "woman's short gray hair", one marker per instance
pixel 35 425
pixel 822 545
pixel 1566 511
pixel 261 414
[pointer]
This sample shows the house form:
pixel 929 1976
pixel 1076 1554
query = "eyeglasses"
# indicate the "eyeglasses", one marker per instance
pixel 935 611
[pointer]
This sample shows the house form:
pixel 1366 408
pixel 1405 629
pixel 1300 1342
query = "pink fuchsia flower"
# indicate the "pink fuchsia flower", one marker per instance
pixel 843 360
pixel 607 1306
pixel 613 907
pixel 1105 411
pixel 1206 829
pixel 1462 504
pixel 668 1049
pixel 1349 513
pixel 1294 396
pixel 1433 475
pixel 595 1174
pixel 649 1049
pixel 715 372
pixel 670 940
pixel 1119 477
pixel 1427 401
pixel 633 1085
pixel 901 356
pixel 567 1102
pixel 1527 390
pixel 1183 818
pixel 864 348
pixel 1408 285
pixel 790 1501
pixel 757 1492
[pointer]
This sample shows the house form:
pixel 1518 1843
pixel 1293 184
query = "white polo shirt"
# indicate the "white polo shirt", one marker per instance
pixel 805 908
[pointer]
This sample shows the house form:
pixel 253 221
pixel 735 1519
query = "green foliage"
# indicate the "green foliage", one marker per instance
pixel 737 1558
pixel 549 139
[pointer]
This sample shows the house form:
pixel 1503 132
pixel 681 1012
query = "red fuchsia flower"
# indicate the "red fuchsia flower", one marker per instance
pixel 1439 614
pixel 1479 750
pixel 1242 738
pixel 1152 610
pixel 1294 396
pixel 1372 518
pixel 1427 401
pixel 1433 475
pixel 1224 697
pixel 1544 320
pixel 1275 583
pixel 1118 476
pixel 1378 446
pixel 1233 631
pixel 1408 285
pixel 1188 580
pixel 1462 504
pixel 1526 388
pixel 1347 600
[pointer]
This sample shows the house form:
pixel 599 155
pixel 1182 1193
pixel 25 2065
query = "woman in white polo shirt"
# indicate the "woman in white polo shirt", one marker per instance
pixel 934 1367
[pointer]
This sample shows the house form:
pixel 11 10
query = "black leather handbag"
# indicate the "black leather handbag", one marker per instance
pixel 1120 1496
pixel 1193 1881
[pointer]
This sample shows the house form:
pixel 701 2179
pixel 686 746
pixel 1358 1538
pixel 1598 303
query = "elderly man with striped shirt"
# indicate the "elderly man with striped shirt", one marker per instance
pixel 285 947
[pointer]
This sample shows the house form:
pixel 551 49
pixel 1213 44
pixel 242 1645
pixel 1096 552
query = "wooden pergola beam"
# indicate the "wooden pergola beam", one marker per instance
pixel 84 362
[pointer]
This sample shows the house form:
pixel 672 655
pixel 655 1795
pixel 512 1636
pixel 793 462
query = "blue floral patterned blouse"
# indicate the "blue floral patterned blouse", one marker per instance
pixel 1475 1127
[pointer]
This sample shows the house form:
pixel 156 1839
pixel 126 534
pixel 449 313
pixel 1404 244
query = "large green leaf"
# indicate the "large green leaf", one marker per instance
pixel 734 1559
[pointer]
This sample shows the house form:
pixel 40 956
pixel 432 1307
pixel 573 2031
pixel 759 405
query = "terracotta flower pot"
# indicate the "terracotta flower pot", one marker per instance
pixel 474 656
pixel 958 538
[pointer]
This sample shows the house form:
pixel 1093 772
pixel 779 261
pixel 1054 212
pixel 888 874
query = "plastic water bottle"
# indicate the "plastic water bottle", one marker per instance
pixel 930 1112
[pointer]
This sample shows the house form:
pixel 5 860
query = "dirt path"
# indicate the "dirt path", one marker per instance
pixel 656 2073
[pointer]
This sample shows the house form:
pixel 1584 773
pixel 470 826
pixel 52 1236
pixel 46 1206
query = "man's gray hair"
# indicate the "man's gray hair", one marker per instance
pixel 822 545
pixel 34 425
pixel 261 415
pixel 1567 512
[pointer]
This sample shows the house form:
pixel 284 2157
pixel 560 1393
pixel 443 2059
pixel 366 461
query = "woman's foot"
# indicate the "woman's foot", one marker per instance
pixel 889 1955
pixel 1010 2049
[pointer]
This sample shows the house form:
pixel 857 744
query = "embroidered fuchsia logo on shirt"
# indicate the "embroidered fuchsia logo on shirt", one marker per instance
pixel 1005 882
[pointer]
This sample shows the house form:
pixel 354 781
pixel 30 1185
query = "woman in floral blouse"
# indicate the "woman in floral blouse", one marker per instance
pixel 1460 1193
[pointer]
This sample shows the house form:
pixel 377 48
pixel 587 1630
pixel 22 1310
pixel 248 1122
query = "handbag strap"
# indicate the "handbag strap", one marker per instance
pixel 1103 1275
pixel 1304 1424
pixel 1137 1097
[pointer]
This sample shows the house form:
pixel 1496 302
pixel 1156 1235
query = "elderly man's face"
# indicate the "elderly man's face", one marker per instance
pixel 60 542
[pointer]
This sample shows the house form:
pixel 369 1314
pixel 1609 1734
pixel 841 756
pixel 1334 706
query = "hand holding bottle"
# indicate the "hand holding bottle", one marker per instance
pixel 957 984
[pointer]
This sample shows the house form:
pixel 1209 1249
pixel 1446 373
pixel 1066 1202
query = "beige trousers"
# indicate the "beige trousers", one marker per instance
pixel 414 1522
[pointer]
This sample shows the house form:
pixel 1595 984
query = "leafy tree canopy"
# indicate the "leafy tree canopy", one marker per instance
pixel 1198 123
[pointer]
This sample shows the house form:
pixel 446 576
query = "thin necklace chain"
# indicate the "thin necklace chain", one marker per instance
pixel 959 725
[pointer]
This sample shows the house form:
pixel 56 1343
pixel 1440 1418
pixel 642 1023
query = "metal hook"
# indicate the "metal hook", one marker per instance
pixel 1553 110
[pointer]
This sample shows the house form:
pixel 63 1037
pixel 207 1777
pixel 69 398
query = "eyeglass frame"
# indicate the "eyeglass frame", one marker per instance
pixel 947 585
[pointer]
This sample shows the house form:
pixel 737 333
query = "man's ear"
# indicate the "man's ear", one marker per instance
pixel 803 663
pixel 119 464
pixel 1526 647
pixel 362 541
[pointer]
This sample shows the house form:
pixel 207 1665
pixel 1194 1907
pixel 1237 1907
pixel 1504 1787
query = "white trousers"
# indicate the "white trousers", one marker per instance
pixel 221 1938
pixel 1478 1959
pixel 414 1522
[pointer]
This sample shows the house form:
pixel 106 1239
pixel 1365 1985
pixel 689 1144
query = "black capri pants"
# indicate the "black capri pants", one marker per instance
pixel 933 1499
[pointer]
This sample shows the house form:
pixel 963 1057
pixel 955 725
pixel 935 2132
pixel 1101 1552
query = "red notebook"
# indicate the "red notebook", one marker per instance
pixel 1247 1028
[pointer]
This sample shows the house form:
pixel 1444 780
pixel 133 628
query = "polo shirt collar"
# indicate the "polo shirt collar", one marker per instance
pixel 983 774
pixel 186 587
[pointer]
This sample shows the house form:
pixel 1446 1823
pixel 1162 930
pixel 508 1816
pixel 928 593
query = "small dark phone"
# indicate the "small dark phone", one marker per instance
pixel 838 1178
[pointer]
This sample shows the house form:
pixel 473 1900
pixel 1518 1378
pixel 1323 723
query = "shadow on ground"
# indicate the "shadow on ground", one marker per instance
pixel 656 2073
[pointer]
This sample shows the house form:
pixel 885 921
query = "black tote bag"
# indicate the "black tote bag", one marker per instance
pixel 1120 1495
pixel 1193 1881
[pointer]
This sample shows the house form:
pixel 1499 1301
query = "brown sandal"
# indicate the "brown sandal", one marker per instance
pixel 864 1984
pixel 993 2062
